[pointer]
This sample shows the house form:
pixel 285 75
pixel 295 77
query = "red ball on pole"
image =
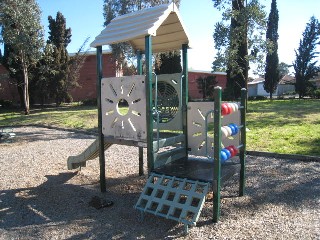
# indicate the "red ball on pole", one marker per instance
pixel 225 109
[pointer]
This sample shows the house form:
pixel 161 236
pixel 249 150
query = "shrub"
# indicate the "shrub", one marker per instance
pixel 317 94
pixel 6 103
pixel 260 98
pixel 90 102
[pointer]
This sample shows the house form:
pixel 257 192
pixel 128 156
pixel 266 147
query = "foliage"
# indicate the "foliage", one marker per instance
pixel 123 52
pixel 206 86
pixel 305 66
pixel 59 35
pixel 6 104
pixel 272 76
pixel 240 30
pixel 59 38
pixel 40 87
pixel 89 102
pixel 283 69
pixel 22 31
pixel 316 94
pixel 258 97
pixel 168 63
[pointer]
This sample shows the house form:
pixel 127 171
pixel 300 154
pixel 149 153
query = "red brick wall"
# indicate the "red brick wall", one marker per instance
pixel 221 78
pixel 88 77
pixel 87 80
pixel 8 90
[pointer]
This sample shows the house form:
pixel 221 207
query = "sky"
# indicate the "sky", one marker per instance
pixel 85 18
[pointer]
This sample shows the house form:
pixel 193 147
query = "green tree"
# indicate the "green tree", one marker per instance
pixel 168 63
pixel 123 52
pixel 59 37
pixel 305 65
pixel 272 76
pixel 206 86
pixel 283 69
pixel 235 36
pixel 22 31
pixel 44 71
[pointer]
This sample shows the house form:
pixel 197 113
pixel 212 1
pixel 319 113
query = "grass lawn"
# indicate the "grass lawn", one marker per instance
pixel 78 117
pixel 282 126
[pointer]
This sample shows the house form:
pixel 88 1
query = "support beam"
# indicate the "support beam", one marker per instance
pixel 185 94
pixel 100 134
pixel 217 149
pixel 149 105
pixel 139 67
pixel 242 153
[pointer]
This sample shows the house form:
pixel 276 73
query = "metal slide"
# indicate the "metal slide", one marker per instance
pixel 90 153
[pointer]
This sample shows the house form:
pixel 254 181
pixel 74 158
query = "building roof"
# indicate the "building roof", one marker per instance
pixel 91 53
pixel 256 81
pixel 209 72
pixel 163 22
pixel 287 79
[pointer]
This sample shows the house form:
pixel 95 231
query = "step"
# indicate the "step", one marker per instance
pixel 173 198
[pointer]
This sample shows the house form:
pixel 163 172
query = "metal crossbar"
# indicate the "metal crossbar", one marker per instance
pixel 173 198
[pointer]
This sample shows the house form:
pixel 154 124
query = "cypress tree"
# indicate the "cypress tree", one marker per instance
pixel 272 60
pixel 59 37
pixel 304 66
pixel 234 36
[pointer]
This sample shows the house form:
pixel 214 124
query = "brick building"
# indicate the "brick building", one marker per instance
pixel 193 75
pixel 88 77
pixel 8 90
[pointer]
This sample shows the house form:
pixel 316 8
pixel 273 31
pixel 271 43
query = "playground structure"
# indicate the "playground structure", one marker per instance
pixel 192 147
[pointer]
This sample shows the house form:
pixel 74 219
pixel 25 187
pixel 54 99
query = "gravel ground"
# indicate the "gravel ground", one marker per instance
pixel 41 199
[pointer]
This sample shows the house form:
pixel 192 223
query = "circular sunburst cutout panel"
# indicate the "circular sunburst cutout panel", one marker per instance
pixel 168 102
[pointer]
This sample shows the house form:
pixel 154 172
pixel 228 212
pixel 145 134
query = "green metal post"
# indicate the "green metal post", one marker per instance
pixel 217 150
pixel 149 117
pixel 242 152
pixel 100 134
pixel 139 66
pixel 185 94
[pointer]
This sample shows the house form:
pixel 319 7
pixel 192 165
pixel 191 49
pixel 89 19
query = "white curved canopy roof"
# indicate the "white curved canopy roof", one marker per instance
pixel 162 22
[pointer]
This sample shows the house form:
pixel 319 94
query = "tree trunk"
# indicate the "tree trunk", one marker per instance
pixel 25 88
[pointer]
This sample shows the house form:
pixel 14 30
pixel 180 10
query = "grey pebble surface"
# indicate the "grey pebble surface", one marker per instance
pixel 41 199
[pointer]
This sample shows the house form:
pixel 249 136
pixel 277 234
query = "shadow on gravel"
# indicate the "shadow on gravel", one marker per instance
pixel 32 212
pixel 46 134
pixel 61 205
pixel 291 183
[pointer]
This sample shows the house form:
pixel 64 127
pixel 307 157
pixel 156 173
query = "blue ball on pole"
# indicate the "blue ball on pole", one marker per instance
pixel 223 156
